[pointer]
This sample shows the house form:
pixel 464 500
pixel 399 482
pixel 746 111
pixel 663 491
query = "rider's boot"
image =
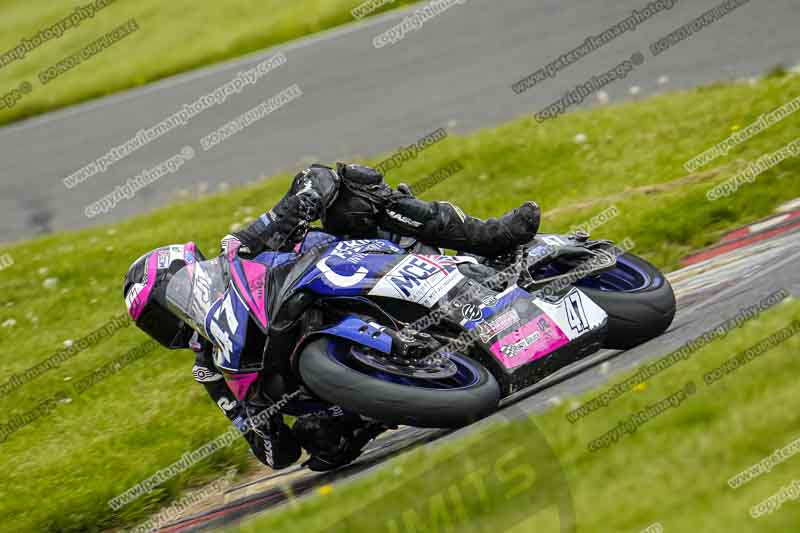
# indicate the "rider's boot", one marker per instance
pixel 444 225
pixel 333 442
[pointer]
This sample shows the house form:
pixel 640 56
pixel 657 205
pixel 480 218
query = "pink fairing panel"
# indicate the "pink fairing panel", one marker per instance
pixel 534 340
pixel 239 384
pixel 252 288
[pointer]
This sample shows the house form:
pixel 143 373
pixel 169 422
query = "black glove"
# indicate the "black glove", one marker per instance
pixel 305 206
pixel 405 190
pixel 359 174
pixel 285 224
pixel 279 229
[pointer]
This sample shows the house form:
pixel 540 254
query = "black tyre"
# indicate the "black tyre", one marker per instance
pixel 327 370
pixel 635 314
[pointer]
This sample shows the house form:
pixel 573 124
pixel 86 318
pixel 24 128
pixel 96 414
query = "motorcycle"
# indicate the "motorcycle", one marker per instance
pixel 410 336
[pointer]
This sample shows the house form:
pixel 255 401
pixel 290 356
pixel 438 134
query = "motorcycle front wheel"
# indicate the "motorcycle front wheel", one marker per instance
pixel 327 367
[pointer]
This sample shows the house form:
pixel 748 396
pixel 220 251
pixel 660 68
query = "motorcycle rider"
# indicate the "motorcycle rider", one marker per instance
pixel 352 201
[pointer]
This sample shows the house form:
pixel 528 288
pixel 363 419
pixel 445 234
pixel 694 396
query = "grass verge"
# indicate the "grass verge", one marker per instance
pixel 81 453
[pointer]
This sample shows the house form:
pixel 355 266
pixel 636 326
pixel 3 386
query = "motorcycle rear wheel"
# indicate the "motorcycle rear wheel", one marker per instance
pixel 636 314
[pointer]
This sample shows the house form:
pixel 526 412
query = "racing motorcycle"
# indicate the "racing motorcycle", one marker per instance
pixel 416 337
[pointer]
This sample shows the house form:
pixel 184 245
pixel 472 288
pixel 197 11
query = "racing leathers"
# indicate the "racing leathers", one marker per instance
pixel 271 440
pixel 353 201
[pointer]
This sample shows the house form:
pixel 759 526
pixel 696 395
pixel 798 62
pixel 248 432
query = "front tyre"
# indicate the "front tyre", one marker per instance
pixel 331 373
pixel 637 298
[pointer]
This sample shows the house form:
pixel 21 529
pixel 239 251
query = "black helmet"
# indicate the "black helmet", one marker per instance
pixel 145 293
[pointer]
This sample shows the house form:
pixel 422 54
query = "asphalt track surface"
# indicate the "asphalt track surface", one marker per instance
pixel 454 72
pixel 708 293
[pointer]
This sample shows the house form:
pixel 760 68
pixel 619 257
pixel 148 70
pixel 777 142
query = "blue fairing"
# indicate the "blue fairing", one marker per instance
pixel 226 323
pixel 316 238
pixel 504 300
pixel 364 333
pixel 275 259
pixel 350 268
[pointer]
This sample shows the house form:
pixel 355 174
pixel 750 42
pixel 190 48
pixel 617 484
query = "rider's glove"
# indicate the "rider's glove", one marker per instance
pixel 405 190
pixel 231 245
pixel 278 229
pixel 305 205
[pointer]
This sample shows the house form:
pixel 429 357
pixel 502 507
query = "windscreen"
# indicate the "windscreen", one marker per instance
pixel 194 288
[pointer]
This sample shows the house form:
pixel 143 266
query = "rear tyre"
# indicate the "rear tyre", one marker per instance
pixel 322 365
pixel 638 315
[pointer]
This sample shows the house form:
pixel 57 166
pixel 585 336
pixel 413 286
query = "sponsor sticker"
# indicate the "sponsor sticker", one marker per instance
pixel 489 328
pixel 529 342
pixel 423 279
pixel 163 259
pixel 472 312
pixel 575 314
pixel 336 266
pixel 511 350
pixel 489 301
pixel 347 253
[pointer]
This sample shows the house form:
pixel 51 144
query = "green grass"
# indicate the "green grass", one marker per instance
pixel 146 416
pixel 673 470
pixel 195 34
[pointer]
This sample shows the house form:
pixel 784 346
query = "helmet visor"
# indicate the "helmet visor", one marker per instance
pixel 170 331
pixel 193 290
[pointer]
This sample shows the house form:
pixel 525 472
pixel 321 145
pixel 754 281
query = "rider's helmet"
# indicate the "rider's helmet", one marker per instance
pixel 145 293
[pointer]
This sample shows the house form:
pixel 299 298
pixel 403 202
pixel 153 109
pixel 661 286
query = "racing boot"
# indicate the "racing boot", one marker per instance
pixel 333 442
pixel 444 225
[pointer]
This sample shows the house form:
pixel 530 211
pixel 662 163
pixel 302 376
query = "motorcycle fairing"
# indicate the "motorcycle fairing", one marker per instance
pixel 535 339
pixel 378 267
pixel 350 268
pixel 575 313
pixel 250 280
pixel 525 339
pixel 357 330
pixel 226 324
pixel 501 302
pixel 519 329
pixel 422 279
pixel 512 327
